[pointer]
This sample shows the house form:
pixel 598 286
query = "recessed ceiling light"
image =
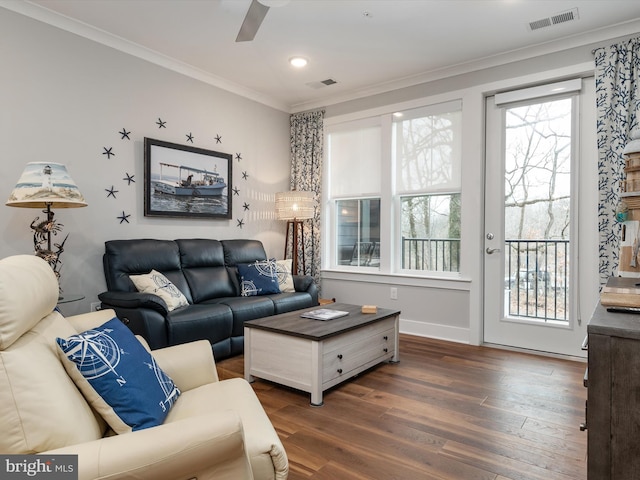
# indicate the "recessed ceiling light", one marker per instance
pixel 298 62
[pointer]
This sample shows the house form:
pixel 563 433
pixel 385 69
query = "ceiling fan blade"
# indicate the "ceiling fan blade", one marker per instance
pixel 252 21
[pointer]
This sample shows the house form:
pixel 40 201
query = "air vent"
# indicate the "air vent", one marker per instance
pixel 322 83
pixel 568 16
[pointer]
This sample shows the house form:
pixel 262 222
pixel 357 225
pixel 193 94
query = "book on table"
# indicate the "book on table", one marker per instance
pixel 324 314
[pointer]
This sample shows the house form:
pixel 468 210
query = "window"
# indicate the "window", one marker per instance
pixel 358 229
pixel 426 146
pixel 354 186
pixel 394 188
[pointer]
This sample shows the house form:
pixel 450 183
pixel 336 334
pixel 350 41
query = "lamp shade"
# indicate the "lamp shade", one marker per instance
pixel 294 205
pixel 45 184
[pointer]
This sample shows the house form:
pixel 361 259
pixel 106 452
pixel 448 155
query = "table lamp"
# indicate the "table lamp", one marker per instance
pixel 46 185
pixel 294 207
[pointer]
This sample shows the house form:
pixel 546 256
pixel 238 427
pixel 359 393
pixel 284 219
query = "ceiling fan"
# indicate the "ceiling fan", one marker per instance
pixel 254 17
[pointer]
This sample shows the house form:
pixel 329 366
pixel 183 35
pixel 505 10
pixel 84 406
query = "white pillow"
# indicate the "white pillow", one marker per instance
pixel 285 280
pixel 156 283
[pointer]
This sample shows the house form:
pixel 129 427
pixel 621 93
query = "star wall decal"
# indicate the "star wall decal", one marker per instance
pixel 218 139
pixel 108 152
pixel 129 179
pixel 236 191
pixel 124 217
pixel 240 222
pixel 124 134
pixel 245 206
pixel 111 192
pixel 161 124
pixel 189 137
pixel 238 157
pixel 245 175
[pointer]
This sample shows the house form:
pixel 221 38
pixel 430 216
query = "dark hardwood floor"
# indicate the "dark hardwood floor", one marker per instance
pixel 447 411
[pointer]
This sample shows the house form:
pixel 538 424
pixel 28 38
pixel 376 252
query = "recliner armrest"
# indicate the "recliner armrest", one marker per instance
pixel 204 446
pixel 134 300
pixel 189 365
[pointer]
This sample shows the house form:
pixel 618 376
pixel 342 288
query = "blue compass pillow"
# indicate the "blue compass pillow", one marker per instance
pixel 258 278
pixel 118 377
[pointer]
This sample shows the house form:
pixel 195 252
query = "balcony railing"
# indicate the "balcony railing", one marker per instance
pixel 437 254
pixel 537 279
pixel 536 272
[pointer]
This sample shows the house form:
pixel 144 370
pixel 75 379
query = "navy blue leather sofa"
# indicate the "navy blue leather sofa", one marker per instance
pixel 205 272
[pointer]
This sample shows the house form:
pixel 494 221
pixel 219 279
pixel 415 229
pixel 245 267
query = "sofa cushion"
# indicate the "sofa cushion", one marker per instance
pixel 242 251
pixel 118 376
pixel 204 268
pixel 156 283
pixel 258 278
pixel 201 321
pixel 290 301
pixel 247 308
pixel 285 279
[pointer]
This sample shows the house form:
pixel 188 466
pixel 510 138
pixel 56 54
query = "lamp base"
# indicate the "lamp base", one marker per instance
pixel 42 231
pixel 295 225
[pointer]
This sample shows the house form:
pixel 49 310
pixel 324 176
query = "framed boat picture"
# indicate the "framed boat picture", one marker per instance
pixel 185 181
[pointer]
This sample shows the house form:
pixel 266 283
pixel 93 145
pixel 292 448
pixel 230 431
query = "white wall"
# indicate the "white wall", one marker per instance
pixel 64 98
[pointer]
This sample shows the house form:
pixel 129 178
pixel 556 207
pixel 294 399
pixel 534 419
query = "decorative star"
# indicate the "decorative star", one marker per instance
pixel 236 191
pixel 245 206
pixel 112 192
pixel 189 137
pixel 124 134
pixel 124 217
pixel 161 124
pixel 245 175
pixel 218 139
pixel 108 152
pixel 238 157
pixel 129 179
pixel 240 222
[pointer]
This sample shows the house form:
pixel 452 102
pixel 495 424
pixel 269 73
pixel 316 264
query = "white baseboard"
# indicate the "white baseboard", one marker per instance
pixel 433 330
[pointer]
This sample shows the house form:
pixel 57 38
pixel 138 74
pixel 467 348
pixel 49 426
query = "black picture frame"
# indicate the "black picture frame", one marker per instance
pixel 185 181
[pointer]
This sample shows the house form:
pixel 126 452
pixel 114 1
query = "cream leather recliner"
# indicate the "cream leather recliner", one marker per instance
pixel 216 429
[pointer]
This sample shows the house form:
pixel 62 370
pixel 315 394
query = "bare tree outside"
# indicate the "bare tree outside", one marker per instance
pixel 537 208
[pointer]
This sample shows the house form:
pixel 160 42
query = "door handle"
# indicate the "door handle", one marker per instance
pixel 492 250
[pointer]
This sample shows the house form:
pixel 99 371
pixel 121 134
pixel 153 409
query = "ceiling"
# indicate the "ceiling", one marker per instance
pixel 365 46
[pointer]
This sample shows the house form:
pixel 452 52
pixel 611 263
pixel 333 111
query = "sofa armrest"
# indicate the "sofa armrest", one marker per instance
pixel 206 446
pixel 190 365
pixel 134 300
pixel 305 283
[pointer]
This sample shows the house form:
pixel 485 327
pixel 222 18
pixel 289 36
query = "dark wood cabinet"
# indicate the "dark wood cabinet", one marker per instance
pixel 613 399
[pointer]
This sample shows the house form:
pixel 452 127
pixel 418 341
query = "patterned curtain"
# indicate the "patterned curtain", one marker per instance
pixel 307 140
pixel 617 103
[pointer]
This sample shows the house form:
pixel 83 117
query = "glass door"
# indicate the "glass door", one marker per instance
pixel 529 286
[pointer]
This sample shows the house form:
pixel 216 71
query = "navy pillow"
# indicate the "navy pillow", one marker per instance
pixel 258 278
pixel 133 392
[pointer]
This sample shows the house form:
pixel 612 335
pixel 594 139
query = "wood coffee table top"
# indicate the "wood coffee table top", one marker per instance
pixel 291 323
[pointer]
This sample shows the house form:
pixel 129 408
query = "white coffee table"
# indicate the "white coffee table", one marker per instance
pixel 314 355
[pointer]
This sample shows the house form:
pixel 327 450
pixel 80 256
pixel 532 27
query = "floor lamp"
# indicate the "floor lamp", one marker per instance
pixel 46 185
pixel 294 207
